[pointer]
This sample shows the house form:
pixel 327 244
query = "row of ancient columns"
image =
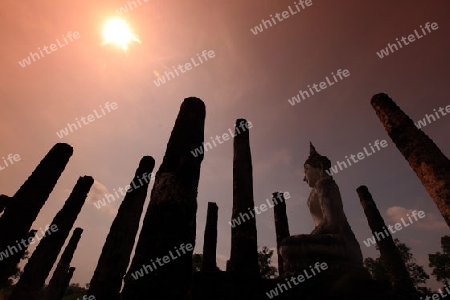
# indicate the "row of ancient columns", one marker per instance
pixel 169 223
pixel 19 213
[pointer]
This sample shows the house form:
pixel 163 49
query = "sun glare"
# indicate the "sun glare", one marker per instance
pixel 118 32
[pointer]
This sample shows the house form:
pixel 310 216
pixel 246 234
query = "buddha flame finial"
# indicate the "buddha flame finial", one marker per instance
pixel 312 149
pixel 316 160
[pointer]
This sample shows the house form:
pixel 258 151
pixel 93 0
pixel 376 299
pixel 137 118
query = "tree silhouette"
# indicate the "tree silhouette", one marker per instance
pixel 264 259
pixel 416 272
pixel 440 262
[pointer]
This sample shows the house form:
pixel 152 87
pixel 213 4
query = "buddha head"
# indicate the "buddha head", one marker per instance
pixel 315 166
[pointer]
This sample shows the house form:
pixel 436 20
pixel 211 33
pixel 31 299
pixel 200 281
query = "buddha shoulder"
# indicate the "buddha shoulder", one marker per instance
pixel 325 183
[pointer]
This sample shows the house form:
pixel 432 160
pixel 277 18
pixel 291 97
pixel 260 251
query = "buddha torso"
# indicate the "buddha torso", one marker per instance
pixel 325 206
pixel 332 238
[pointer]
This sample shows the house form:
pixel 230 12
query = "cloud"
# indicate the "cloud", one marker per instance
pixel 432 222
pixel 429 222
pixel 97 192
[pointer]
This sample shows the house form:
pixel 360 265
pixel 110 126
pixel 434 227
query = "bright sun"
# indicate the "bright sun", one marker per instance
pixel 117 32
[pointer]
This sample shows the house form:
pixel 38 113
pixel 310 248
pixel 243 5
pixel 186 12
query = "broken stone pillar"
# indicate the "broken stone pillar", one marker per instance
pixel 41 262
pixel 113 262
pixel 281 225
pixel 431 166
pixel 169 227
pixel 392 261
pixel 244 247
pixel 210 239
pixel 58 283
pixel 28 201
pixel 65 285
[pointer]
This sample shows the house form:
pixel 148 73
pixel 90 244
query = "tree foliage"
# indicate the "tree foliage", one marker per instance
pixel 376 269
pixel 12 280
pixel 440 262
pixel 416 272
pixel 264 259
pixel 75 291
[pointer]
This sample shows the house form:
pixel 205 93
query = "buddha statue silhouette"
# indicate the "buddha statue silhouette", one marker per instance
pixel 332 240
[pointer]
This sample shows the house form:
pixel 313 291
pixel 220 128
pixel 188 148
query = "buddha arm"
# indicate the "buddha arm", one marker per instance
pixel 328 196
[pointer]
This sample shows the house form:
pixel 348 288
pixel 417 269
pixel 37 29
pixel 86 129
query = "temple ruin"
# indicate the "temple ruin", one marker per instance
pixel 330 253
pixel 169 226
pixel 281 225
pixel 28 201
pixel 44 256
pixel 115 257
pixel 431 166
pixel 209 263
pixel 63 271
pixel 396 270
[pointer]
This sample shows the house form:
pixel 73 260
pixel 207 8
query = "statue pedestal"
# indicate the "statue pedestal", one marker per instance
pixel 301 251
pixel 344 276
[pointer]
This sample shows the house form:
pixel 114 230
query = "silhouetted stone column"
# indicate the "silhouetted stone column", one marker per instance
pixel 4 200
pixel 170 221
pixel 59 279
pixel 46 253
pixel 210 239
pixel 392 261
pixel 65 285
pixel 28 201
pixel 431 166
pixel 113 262
pixel 244 246
pixel 281 225
pixel 30 237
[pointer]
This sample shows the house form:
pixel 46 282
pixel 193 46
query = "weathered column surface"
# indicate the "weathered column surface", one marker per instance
pixel 392 261
pixel 41 262
pixel 210 239
pixel 65 285
pixel 244 247
pixel 115 257
pixel 281 225
pixel 58 283
pixel 431 166
pixel 28 201
pixel 167 237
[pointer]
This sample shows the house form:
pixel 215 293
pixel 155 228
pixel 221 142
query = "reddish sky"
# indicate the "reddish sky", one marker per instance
pixel 252 77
